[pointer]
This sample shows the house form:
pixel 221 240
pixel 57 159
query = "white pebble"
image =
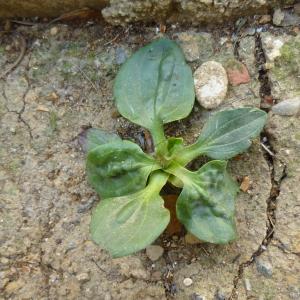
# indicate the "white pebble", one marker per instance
pixel 187 281
pixel 83 277
pixel 211 83
pixel 54 31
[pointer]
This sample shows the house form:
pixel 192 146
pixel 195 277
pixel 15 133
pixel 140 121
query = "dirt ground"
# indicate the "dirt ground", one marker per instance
pixel 62 85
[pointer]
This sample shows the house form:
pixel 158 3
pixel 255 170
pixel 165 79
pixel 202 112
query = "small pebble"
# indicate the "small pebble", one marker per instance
pixel 12 130
pixel 85 206
pixel 289 107
pixel 211 83
pixel 219 296
pixel 247 285
pixel 83 277
pixel 278 17
pixel 196 296
pixel 120 55
pixel 272 47
pixel 154 252
pixel 42 108
pixel 245 184
pixel 265 19
pixel 264 267
pixel 187 281
pixel 54 31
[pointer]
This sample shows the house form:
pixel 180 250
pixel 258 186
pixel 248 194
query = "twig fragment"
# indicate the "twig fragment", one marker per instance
pixel 18 60
pixel 267 149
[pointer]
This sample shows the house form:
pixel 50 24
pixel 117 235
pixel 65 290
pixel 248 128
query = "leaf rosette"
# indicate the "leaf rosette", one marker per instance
pixel 155 87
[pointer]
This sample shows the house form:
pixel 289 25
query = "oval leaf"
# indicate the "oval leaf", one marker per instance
pixel 119 168
pixel 124 225
pixel 206 204
pixel 155 85
pixel 226 134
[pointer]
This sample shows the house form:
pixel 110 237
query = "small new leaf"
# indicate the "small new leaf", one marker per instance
pixel 173 145
pixel 119 168
pixel 206 204
pixel 126 224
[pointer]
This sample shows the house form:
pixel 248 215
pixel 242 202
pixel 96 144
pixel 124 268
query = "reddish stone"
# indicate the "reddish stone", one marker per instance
pixel 237 73
pixel 268 99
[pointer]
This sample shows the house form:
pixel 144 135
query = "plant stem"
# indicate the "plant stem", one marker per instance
pixel 187 154
pixel 157 180
pixel 159 139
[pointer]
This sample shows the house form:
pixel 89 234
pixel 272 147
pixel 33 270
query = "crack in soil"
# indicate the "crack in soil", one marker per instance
pixel 271 222
pixel 21 111
pixel 270 156
pixel 167 279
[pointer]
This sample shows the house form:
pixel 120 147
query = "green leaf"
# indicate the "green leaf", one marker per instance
pixel 119 168
pixel 226 134
pixel 206 204
pixel 155 86
pixel 174 144
pixel 124 225
pixel 93 137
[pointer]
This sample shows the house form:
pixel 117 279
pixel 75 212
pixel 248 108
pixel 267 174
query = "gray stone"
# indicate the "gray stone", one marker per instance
pixel 196 296
pixel 154 252
pixel 287 107
pixel 121 56
pixel 278 17
pixel 196 46
pixel 264 267
pixel 285 18
pixel 86 206
pixel 290 19
pixel 211 83
pixel 219 296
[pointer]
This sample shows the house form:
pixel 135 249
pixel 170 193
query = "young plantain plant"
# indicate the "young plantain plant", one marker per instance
pixel 155 87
